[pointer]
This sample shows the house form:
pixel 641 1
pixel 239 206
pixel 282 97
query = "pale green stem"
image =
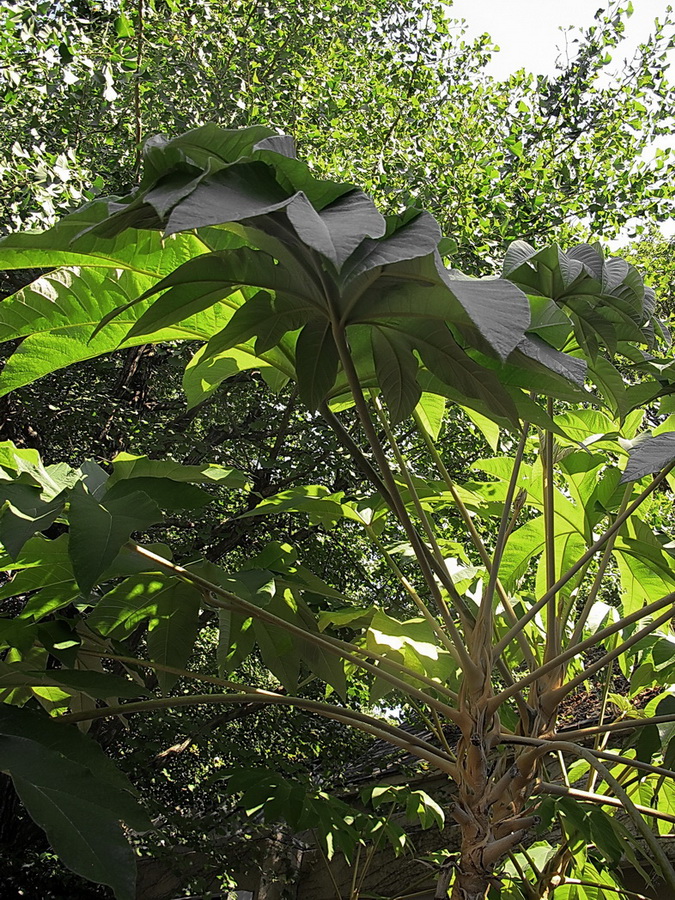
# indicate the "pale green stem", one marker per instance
pixel 602 568
pixel 581 562
pixel 572 599
pixel 469 667
pixel 371 853
pixel 525 648
pixel 605 887
pixel 353 895
pixel 559 790
pixel 327 866
pixel 581 734
pixel 332 645
pixel 615 758
pixel 502 537
pixel 649 837
pixel 571 652
pixel 412 593
pixel 600 741
pixel 446 580
pixel 558 694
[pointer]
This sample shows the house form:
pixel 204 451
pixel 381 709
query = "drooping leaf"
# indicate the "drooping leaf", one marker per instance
pixel 396 370
pixel 79 814
pixel 126 466
pixel 650 456
pixel 75 792
pixel 316 362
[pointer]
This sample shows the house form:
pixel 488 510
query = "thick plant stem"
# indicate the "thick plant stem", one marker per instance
pixel 552 625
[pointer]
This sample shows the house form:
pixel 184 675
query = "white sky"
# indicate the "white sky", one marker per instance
pixel 529 37
pixel 527 31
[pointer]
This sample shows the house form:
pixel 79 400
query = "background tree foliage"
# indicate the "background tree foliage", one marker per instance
pixel 391 97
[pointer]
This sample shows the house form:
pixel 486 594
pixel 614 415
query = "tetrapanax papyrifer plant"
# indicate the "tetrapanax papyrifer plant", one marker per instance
pixel 521 584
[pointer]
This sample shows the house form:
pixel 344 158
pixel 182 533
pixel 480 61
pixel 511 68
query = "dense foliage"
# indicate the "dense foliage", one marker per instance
pixel 304 280
pixel 398 101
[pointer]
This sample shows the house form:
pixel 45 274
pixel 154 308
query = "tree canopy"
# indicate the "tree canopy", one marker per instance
pixel 394 484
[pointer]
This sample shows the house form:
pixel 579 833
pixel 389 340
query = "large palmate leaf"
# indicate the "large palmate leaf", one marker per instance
pixel 330 261
pixel 327 263
pixel 606 295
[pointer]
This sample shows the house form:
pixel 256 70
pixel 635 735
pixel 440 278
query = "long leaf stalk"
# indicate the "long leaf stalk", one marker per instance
pixel 600 574
pixel 575 651
pixel 476 538
pixel 479 647
pixel 600 740
pixel 581 562
pixel 219 597
pixel 447 581
pixel 487 602
pixel 648 835
pixel 468 666
pixel 552 625
pixel 580 734
pixel 557 695
pixel 365 466
pixel 412 593
pixel 436 553
pixel 617 758
pixel 378 729
pixel 605 887
pixel 559 790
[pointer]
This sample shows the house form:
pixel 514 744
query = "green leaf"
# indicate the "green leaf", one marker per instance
pixel 316 362
pixel 396 370
pixel 128 466
pixel 24 513
pixel 204 281
pixel 205 373
pixel 98 531
pixel 99 685
pixel 58 315
pixel 119 612
pixel 313 499
pixel 165 492
pixel 650 456
pixel 79 813
pixel 431 410
pixel 173 629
